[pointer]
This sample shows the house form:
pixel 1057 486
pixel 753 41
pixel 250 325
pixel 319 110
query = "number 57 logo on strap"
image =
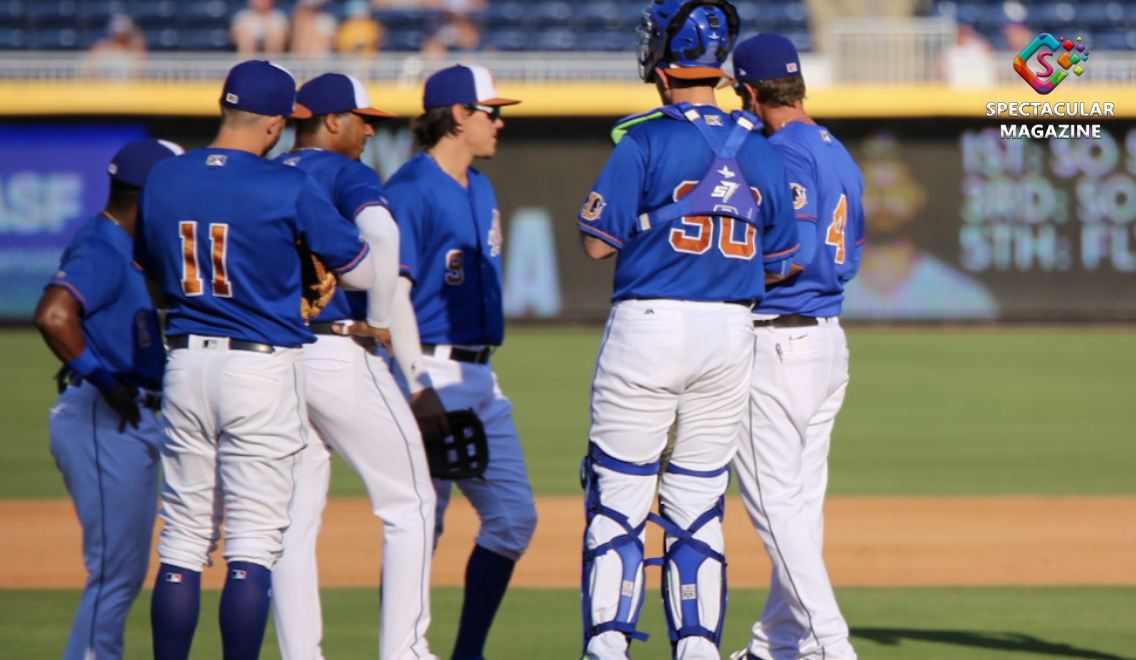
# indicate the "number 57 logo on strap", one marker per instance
pixel 1045 45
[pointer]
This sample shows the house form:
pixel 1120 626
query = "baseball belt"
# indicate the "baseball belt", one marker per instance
pixel 65 378
pixel 182 341
pixel 462 354
pixel 327 327
pixel 787 321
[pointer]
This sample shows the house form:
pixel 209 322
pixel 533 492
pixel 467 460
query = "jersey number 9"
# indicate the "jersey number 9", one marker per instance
pixel 455 273
pixel 191 282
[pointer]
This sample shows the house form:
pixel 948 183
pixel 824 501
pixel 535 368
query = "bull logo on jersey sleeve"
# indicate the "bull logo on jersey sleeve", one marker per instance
pixel 496 236
pixel 800 196
pixel 593 208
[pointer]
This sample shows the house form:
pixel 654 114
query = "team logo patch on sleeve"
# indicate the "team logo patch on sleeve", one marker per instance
pixel 800 196
pixel 593 208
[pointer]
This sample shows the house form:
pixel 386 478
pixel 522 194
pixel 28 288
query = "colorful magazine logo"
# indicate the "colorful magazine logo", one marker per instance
pixel 1044 45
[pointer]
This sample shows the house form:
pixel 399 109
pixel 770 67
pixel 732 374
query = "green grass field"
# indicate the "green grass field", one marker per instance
pixel 933 411
pixel 929 411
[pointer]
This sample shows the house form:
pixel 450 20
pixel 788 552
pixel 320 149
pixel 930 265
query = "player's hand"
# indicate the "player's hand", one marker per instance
pixel 363 329
pixel 431 415
pixel 123 399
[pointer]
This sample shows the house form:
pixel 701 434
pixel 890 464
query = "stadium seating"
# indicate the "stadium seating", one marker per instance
pixel 515 25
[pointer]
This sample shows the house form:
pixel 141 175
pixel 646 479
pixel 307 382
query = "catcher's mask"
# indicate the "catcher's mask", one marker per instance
pixel 690 39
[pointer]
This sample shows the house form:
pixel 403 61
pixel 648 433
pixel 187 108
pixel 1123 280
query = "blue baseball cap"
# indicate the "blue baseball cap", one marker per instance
pixel 262 88
pixel 466 85
pixel 765 57
pixel 333 93
pixel 132 163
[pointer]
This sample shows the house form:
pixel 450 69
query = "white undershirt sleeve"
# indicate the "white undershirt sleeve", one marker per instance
pixel 381 232
pixel 358 278
pixel 405 339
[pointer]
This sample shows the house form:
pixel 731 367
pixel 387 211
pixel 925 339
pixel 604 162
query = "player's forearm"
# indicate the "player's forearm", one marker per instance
pixel 381 232
pixel 358 278
pixel 595 248
pixel 406 340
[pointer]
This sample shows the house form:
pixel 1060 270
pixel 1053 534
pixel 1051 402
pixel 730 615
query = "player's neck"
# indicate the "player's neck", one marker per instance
pixel 701 95
pixel 123 216
pixel 777 118
pixel 239 140
pixel 452 158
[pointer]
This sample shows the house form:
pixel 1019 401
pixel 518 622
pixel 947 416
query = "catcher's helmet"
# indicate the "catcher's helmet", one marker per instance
pixel 689 38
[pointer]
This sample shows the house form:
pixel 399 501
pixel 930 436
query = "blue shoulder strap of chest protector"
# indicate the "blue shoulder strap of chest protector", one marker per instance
pixel 723 191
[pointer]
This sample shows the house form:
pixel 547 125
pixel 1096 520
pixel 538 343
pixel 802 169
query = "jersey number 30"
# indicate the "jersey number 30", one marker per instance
pixel 191 282
pixel 835 235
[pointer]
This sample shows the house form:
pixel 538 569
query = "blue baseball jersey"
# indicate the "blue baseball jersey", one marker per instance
pixel 218 230
pixel 828 192
pixel 352 187
pixel 451 250
pixel 118 318
pixel 701 258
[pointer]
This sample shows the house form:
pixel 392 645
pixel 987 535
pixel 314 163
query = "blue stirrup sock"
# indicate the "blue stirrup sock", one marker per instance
pixel 174 609
pixel 244 610
pixel 486 578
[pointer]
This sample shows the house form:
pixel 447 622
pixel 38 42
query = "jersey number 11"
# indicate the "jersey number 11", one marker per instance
pixel 191 282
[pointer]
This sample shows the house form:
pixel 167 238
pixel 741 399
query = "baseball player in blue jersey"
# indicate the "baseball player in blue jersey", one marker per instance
pixel 696 206
pixel 451 256
pixel 355 406
pixel 96 316
pixel 800 369
pixel 218 231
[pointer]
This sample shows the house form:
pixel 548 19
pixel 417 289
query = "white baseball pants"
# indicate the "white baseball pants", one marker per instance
pixel 665 363
pixel 234 423
pixel 356 409
pixel 800 375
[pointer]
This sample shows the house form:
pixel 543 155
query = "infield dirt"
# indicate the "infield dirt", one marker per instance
pixel 870 541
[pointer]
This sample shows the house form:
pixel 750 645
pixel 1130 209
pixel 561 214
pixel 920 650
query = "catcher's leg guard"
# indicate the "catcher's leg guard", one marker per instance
pixel 690 577
pixel 618 498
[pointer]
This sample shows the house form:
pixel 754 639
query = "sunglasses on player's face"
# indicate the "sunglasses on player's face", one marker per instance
pixel 493 111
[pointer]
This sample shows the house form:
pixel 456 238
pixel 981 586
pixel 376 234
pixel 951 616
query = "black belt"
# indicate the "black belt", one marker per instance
pixel 787 321
pixel 462 354
pixel 66 377
pixel 182 341
pixel 326 328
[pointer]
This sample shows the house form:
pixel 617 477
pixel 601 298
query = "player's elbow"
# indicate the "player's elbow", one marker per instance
pixel 52 318
pixel 595 248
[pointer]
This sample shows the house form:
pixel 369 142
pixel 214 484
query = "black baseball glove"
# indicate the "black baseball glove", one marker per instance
pixel 464 454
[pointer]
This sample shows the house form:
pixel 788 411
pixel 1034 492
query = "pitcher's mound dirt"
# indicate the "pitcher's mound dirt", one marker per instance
pixel 870 541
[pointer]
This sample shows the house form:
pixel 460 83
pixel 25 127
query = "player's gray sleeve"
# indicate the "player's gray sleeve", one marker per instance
pixel 360 277
pixel 381 232
pixel 405 339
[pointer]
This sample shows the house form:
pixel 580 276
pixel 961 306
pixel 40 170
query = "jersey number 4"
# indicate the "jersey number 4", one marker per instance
pixel 191 282
pixel 835 235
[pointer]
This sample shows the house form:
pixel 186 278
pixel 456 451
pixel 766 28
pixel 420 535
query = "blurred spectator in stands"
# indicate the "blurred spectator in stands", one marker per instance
pixel 969 61
pixel 359 34
pixel 1017 36
pixel 822 11
pixel 313 29
pixel 121 53
pixel 261 28
pixel 458 33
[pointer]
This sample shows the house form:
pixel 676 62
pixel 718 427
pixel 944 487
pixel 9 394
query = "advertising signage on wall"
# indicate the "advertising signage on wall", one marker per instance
pixel 962 223
pixel 52 179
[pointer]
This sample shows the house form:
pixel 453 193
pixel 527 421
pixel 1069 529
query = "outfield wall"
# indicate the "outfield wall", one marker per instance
pixel 962 224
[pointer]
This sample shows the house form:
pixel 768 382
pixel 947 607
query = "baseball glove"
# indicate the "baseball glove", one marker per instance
pixel 318 283
pixel 464 454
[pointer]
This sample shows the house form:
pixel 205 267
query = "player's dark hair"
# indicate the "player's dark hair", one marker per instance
pixel 430 127
pixel 780 92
